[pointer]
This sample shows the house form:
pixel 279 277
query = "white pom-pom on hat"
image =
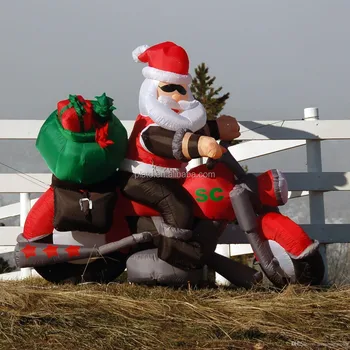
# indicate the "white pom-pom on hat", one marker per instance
pixel 138 51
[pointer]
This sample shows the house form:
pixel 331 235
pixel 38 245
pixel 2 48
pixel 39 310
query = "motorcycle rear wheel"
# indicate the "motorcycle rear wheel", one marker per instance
pixel 101 270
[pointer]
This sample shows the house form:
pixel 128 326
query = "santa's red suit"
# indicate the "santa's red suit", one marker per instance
pixel 140 160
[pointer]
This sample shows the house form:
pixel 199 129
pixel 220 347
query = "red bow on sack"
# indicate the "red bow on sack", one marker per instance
pixel 101 136
pixel 103 107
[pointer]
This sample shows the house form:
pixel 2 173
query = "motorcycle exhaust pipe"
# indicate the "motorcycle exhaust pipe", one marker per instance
pixel 31 254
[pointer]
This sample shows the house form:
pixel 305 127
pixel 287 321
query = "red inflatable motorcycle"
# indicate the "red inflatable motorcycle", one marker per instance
pixel 221 192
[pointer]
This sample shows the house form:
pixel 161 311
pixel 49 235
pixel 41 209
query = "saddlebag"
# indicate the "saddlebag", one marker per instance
pixel 87 209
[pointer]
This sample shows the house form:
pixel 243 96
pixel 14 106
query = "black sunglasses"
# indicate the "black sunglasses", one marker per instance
pixel 173 87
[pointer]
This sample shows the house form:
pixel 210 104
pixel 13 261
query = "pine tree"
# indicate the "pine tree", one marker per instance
pixel 203 91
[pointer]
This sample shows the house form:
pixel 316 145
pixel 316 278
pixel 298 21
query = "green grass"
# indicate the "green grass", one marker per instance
pixel 35 314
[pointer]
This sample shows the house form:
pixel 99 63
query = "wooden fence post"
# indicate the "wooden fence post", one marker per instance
pixel 24 210
pixel 222 249
pixel 314 164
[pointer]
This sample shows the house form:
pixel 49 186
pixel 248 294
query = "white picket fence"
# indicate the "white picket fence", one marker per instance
pixel 261 138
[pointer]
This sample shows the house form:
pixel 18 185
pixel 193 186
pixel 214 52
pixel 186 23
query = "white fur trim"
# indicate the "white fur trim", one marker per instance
pixel 138 51
pixel 308 251
pixel 168 77
pixel 144 169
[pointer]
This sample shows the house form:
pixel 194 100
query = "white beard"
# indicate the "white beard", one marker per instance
pixel 191 114
pixel 169 102
pixel 181 106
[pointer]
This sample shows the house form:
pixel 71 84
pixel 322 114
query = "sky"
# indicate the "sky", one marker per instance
pixel 275 57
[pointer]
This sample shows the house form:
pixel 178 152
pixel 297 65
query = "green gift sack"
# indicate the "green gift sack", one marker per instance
pixel 84 157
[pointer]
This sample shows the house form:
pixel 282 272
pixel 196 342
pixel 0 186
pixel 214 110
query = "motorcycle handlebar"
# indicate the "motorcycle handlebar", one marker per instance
pixel 228 159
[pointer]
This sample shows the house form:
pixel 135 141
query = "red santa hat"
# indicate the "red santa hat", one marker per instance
pixel 167 62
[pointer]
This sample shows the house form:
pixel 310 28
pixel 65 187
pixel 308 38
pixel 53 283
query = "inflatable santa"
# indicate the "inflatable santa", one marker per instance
pixel 170 130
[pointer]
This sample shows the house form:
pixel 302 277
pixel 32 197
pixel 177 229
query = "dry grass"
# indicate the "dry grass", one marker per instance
pixel 37 315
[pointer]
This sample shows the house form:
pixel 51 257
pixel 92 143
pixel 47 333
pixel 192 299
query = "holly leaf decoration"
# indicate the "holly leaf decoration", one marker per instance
pixel 103 107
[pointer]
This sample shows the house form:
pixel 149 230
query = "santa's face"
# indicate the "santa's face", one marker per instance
pixel 171 106
pixel 176 91
pixel 171 94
